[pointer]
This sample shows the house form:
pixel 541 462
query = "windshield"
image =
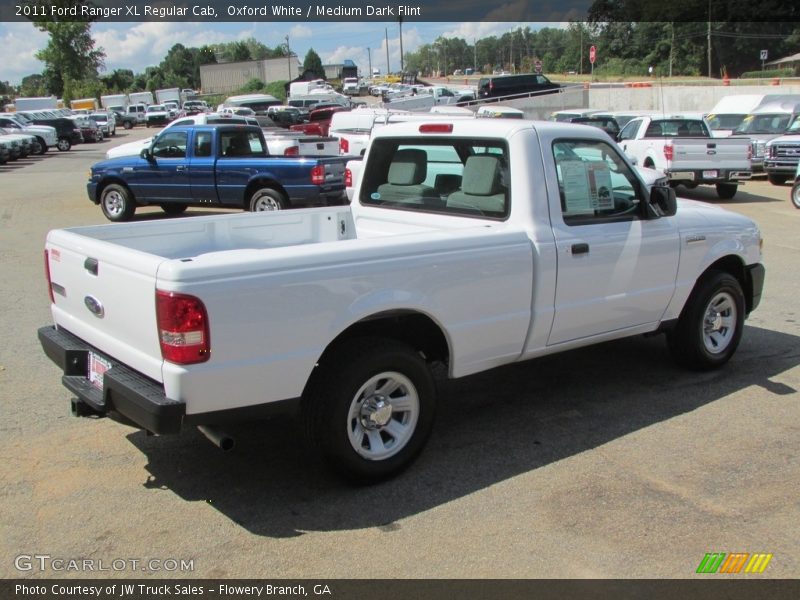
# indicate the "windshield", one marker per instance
pixel 766 123
pixel 725 121
pixel 794 128
pixel 156 108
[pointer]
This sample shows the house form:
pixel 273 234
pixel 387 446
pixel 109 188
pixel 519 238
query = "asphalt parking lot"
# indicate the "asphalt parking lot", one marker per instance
pixel 604 462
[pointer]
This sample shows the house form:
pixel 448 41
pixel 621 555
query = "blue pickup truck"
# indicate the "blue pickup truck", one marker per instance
pixel 214 165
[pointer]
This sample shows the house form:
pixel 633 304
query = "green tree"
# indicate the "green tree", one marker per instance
pixel 32 86
pixel 70 54
pixel 313 63
pixel 119 80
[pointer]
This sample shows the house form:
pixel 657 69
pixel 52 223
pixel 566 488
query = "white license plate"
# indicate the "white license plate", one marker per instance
pixel 710 174
pixel 97 369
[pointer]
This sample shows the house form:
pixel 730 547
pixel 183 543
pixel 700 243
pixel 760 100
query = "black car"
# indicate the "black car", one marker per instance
pixel 505 86
pixel 607 124
pixel 67 130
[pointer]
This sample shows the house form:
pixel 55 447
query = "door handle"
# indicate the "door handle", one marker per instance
pixel 180 168
pixel 580 248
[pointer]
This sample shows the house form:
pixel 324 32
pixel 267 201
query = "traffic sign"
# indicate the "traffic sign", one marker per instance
pixel 764 55
pixel 592 54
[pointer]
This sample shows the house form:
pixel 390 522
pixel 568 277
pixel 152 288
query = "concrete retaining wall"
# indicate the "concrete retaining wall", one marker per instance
pixel 618 97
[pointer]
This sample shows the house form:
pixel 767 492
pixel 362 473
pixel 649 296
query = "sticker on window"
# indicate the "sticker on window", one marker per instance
pixel 587 186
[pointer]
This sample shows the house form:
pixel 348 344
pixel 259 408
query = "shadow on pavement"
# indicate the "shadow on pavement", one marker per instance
pixel 489 427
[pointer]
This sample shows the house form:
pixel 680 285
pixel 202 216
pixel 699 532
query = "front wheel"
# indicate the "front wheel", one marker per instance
pixel 266 199
pixel 710 326
pixel 795 196
pixel 127 124
pixel 64 144
pixel 726 191
pixel 777 179
pixel 369 408
pixel 117 203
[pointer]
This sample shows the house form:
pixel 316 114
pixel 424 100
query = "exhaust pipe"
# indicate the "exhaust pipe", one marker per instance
pixel 219 438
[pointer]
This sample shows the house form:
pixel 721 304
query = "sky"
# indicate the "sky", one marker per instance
pixel 138 45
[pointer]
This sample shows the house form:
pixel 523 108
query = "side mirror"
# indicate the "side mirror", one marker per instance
pixel 663 202
pixel 146 154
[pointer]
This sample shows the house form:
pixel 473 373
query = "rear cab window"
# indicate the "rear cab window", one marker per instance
pixel 464 177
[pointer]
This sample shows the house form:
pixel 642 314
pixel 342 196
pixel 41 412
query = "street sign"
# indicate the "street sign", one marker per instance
pixel 764 55
pixel 592 54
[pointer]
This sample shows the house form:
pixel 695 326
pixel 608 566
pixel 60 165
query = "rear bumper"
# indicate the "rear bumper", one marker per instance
pixel 705 175
pixel 127 396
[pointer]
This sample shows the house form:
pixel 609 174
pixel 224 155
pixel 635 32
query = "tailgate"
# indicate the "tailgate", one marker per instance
pixel 711 153
pixel 105 295
pixel 334 168
pixel 319 146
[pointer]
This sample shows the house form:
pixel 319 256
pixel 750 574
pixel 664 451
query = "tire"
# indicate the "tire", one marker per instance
pixel 99 137
pixel 127 125
pixel 117 203
pixel 710 326
pixel 795 195
pixel 174 208
pixel 362 434
pixel 266 199
pixel 777 179
pixel 726 191
pixel 63 144
pixel 42 146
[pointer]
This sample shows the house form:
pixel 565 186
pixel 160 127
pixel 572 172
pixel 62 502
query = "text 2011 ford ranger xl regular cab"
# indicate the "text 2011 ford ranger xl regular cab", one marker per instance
pixel 469 243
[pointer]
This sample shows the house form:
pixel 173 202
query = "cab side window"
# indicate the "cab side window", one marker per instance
pixel 629 131
pixel 202 144
pixel 595 183
pixel 170 145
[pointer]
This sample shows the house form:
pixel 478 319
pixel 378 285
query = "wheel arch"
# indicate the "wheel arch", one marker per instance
pixel 259 183
pixel 411 327
pixel 734 266
pixel 104 183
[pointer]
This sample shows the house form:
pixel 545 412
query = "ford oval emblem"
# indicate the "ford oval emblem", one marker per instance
pixel 94 306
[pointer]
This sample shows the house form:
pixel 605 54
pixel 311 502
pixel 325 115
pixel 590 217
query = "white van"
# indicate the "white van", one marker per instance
pixel 768 121
pixel 730 111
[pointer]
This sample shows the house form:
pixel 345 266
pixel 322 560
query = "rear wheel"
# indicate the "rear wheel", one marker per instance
pixel 266 199
pixel 117 203
pixel 777 179
pixel 795 196
pixel 42 146
pixel 726 191
pixel 369 408
pixel 127 124
pixel 710 326
pixel 174 209
pixel 64 144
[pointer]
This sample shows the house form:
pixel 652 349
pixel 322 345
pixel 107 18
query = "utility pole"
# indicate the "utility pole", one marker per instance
pixel 671 47
pixel 475 54
pixel 709 38
pixel 402 65
pixel 288 57
pixel 581 69
pixel 369 57
pixel 386 33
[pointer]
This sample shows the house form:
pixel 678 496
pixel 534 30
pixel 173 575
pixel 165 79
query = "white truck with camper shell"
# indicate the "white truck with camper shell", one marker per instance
pixel 682 147
pixel 469 244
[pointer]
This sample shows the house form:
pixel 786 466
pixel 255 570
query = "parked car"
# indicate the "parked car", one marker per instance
pixel 768 121
pixel 67 130
pixel 127 121
pixel 106 122
pixel 509 86
pixel 795 195
pixel 782 154
pixel 5 153
pixel 89 129
pixel 157 115
pixel 45 134
pixel 345 314
pixel 607 124
pixel 28 143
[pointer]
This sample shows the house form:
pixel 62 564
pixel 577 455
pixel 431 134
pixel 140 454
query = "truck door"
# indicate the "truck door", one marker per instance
pixel 201 168
pixel 165 176
pixel 616 268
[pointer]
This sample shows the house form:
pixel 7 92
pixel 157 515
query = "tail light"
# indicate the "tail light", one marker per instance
pixel 292 151
pixel 47 274
pixel 669 151
pixel 344 146
pixel 436 128
pixel 318 175
pixel 182 328
pixel 348 178
pixel 750 152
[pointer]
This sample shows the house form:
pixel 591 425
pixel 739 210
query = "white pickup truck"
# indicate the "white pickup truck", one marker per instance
pixel 469 244
pixel 685 151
